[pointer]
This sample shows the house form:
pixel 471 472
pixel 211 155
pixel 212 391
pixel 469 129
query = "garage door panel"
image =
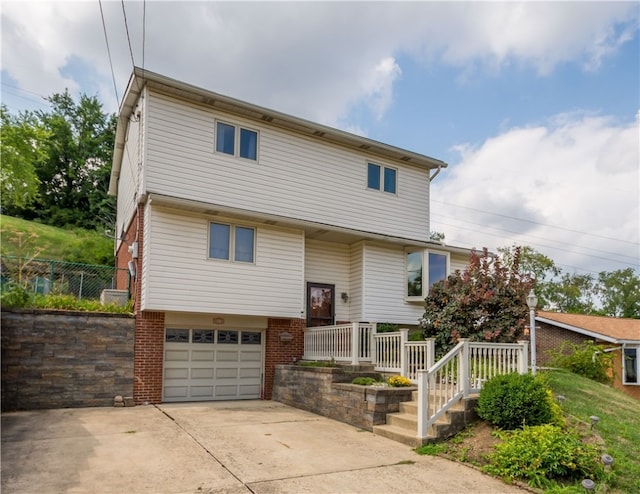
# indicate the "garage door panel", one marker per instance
pixel 201 391
pixel 202 373
pixel 176 355
pixel 227 356
pixel 176 373
pixel 250 373
pixel 202 355
pixel 203 365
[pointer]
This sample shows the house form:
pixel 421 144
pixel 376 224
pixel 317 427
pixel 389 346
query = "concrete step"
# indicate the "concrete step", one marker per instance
pixel 404 421
pixel 398 434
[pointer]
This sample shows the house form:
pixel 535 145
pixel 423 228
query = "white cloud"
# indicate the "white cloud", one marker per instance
pixel 578 173
pixel 316 60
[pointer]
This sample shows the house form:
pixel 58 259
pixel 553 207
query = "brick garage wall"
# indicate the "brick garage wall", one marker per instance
pixel 328 392
pixel 63 359
pixel 149 348
pixel 278 351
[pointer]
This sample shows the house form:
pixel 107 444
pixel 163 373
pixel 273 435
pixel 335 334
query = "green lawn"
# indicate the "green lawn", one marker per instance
pixel 619 424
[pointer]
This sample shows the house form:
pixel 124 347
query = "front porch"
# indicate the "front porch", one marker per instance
pixel 442 389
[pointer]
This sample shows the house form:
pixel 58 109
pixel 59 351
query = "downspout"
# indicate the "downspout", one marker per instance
pixel 431 177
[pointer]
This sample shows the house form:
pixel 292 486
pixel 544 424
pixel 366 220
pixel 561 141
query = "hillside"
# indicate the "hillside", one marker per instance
pixel 30 239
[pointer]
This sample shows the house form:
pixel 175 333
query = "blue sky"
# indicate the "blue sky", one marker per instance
pixel 534 105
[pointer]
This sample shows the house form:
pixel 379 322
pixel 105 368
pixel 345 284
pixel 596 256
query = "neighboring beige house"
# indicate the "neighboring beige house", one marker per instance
pixel 620 336
pixel 243 225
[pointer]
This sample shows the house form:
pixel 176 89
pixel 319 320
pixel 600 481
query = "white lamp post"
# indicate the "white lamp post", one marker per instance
pixel 532 301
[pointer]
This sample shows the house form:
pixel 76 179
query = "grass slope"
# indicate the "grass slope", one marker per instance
pixel 30 239
pixel 619 425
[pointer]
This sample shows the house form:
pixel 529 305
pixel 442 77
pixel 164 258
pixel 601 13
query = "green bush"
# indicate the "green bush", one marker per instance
pixel 511 401
pixel 587 359
pixel 364 381
pixel 544 454
pixel 15 295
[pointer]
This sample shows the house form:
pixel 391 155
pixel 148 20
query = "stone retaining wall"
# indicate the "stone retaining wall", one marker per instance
pixel 61 359
pixel 327 391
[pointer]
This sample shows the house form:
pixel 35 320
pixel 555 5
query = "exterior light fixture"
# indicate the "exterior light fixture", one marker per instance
pixel 589 485
pixel 344 296
pixel 607 460
pixel 532 302
pixel 594 420
pixel 561 398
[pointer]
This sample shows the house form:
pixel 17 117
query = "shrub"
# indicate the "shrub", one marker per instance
pixel 399 382
pixel 587 359
pixel 511 401
pixel 364 381
pixel 15 295
pixel 543 454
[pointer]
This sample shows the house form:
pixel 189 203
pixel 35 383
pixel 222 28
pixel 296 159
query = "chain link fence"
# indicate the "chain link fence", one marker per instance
pixel 84 281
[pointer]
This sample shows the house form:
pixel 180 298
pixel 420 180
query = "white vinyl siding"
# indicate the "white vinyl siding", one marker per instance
pixel 295 176
pixel 356 275
pixel 130 181
pixel 181 277
pixel 384 286
pixel 329 263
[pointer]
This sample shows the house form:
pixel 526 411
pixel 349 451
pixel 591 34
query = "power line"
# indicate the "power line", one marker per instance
pixel 126 27
pixel 106 39
pixel 535 236
pixel 144 27
pixel 537 223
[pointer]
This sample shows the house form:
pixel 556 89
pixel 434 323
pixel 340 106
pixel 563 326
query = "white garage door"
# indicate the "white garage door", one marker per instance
pixel 212 364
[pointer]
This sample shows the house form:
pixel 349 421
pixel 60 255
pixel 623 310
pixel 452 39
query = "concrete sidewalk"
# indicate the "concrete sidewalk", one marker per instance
pixel 223 447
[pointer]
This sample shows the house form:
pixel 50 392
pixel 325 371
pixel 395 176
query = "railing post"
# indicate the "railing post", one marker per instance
pixel 463 367
pixel 431 351
pixel 523 360
pixel 354 343
pixel 372 343
pixel 423 402
pixel 404 363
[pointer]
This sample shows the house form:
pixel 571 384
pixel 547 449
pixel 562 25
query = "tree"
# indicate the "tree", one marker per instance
pixel 74 167
pixel 620 293
pixel 20 149
pixel 572 293
pixel 532 262
pixel 75 177
pixel 486 302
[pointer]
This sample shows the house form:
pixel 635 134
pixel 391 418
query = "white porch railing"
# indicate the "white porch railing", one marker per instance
pixel 342 343
pixel 462 372
pixel 358 342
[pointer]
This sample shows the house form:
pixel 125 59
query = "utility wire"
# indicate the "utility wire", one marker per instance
pixel 126 26
pixel 537 223
pixel 106 39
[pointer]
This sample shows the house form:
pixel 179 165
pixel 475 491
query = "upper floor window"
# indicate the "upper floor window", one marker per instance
pixel 236 141
pixel 231 242
pixel 381 178
pixel 423 269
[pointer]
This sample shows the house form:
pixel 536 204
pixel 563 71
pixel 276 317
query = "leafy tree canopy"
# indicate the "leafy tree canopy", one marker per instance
pixel 485 302
pixel 21 147
pixel 73 164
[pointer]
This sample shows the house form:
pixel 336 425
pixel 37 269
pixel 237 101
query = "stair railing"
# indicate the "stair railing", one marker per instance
pixel 461 372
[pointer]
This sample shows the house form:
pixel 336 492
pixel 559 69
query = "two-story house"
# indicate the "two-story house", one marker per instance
pixel 242 225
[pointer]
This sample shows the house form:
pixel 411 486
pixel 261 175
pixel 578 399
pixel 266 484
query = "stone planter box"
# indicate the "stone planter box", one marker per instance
pixel 328 391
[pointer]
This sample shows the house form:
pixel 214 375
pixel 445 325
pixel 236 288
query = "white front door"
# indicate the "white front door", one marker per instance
pixel 212 364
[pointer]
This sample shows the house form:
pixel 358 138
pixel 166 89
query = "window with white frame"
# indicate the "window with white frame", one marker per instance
pixel 236 141
pixel 231 242
pixel 631 357
pixel 423 268
pixel 381 178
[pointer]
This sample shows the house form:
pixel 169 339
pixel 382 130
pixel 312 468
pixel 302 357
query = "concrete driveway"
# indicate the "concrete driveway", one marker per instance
pixel 237 447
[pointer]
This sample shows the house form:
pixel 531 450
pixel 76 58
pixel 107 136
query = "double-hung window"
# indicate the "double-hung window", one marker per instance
pixel 423 269
pixel 381 178
pixel 631 365
pixel 231 242
pixel 236 141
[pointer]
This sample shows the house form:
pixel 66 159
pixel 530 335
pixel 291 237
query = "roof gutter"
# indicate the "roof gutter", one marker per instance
pixel 435 174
